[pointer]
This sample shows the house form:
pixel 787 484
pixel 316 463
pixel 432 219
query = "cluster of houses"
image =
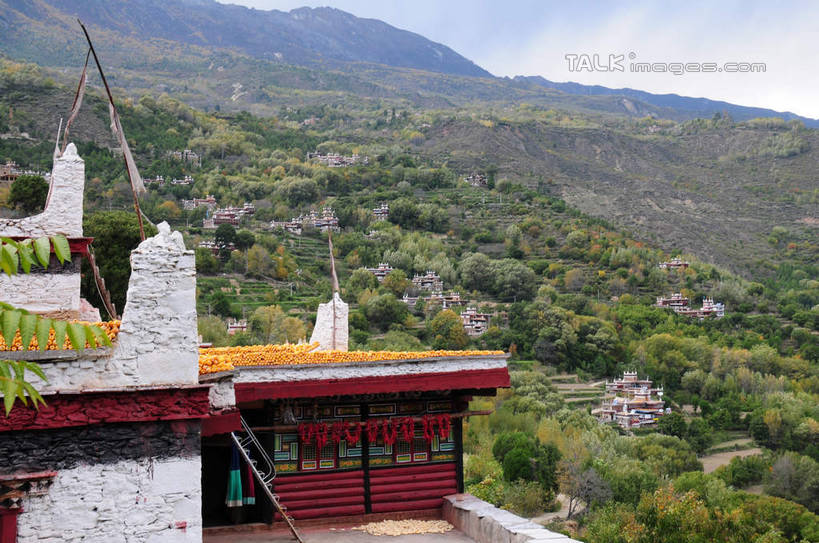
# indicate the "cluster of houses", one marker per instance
pixel 229 215
pixel 474 323
pixel 430 281
pixel 10 171
pixel 675 263
pixel 186 156
pixel 334 160
pixel 159 181
pixel 236 326
pixel 477 180
pixel 214 247
pixel 209 201
pixel 680 305
pixel 382 212
pixel 324 221
pixel 632 402
pixel 446 301
pixel 381 271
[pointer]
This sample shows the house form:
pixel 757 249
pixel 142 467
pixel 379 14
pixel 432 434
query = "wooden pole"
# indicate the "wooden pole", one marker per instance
pixel 111 101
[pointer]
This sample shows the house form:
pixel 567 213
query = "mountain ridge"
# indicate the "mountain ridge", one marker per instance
pixel 303 36
pixel 698 105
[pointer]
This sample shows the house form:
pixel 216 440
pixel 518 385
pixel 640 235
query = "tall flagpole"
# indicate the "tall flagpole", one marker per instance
pixel 114 109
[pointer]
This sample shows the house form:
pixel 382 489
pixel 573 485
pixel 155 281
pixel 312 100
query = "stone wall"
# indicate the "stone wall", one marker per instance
pixel 63 210
pixel 485 523
pixel 114 482
pixel 147 500
pixel 157 342
pixel 158 338
pixel 56 294
pixel 331 330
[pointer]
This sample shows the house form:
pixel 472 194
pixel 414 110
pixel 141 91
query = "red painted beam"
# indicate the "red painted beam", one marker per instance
pixel 487 379
pixel 78 246
pixel 317 484
pixel 222 423
pixel 318 476
pixel 71 410
pixel 408 478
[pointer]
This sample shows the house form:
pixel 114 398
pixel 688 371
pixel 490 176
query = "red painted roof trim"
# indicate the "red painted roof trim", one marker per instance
pixel 453 380
pixel 70 410
pixel 221 423
pixel 78 246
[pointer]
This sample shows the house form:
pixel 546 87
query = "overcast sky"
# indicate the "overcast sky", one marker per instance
pixel 533 37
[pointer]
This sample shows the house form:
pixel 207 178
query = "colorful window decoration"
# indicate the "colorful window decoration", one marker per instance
pixel 412 450
pixel 348 411
pixel 286 447
pixel 382 409
pixel 308 458
pixel 327 456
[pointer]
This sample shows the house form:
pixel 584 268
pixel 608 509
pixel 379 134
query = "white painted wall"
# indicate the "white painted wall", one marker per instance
pixel 333 314
pixel 158 334
pixel 157 343
pixel 128 501
pixel 63 211
pixel 57 295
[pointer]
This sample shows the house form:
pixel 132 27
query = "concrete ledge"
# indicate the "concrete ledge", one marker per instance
pixel 485 523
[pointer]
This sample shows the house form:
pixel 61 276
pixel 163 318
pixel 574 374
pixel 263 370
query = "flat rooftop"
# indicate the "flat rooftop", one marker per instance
pixel 333 535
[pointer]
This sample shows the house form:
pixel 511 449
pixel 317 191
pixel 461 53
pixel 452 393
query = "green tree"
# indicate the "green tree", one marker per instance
pixel 404 212
pixel 396 282
pixel 514 280
pixel 29 192
pixel 447 331
pixel 270 324
pixel 225 235
pixel 244 239
pixel 167 211
pixel 672 424
pixel 116 234
pixel 206 263
pixel 259 262
pixel 476 272
pixel 384 310
pixel 359 281
pixel 213 330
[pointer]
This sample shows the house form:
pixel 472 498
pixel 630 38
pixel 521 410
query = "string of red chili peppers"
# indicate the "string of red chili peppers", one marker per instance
pixel 388 429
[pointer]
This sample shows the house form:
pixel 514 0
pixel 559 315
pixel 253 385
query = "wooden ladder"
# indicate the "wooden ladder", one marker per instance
pixel 264 473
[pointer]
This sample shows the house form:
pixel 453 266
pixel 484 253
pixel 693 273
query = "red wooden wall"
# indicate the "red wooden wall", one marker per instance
pixel 312 495
pixel 402 488
pixel 410 488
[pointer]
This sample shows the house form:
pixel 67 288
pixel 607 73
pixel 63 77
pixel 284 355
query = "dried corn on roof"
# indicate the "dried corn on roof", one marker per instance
pixel 111 329
pixel 405 527
pixel 215 359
